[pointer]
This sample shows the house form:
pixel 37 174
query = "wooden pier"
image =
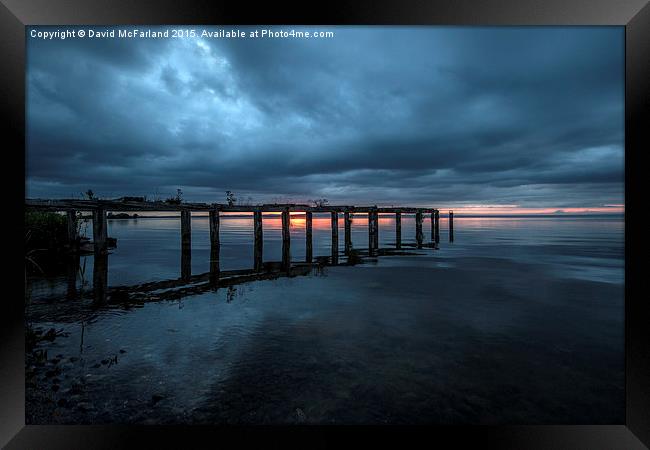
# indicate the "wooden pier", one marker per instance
pixel 100 208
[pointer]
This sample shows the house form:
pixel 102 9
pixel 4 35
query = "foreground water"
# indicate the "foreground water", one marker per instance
pixel 519 320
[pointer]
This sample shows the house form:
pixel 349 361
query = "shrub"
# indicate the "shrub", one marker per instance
pixel 45 230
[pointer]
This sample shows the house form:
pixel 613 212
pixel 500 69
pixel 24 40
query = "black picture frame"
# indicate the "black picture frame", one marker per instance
pixel 634 15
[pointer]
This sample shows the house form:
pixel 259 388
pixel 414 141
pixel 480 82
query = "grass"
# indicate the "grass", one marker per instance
pixel 45 231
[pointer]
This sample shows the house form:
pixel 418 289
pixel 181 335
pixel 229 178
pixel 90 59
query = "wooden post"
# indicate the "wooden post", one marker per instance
pixel 286 240
pixel 259 239
pixel 418 228
pixel 335 237
pixel 214 228
pixel 308 237
pixel 451 226
pixel 398 230
pixel 186 227
pixel 186 244
pixel 375 242
pixel 100 230
pixel 72 227
pixel 371 232
pixel 437 236
pixel 215 245
pixel 348 232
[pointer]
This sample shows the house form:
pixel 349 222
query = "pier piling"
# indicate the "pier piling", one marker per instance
pixel 451 226
pixel 214 224
pixel 308 237
pixel 214 228
pixel 373 231
pixel 286 239
pixel 186 227
pixel 100 230
pixel 371 224
pixel 186 244
pixel 376 238
pixel 335 237
pixel 72 226
pixel 418 228
pixel 398 230
pixel 437 216
pixel 259 239
pixel 348 232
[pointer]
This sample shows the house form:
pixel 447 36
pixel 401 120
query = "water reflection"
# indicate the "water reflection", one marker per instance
pixel 447 334
pixel 128 296
pixel 451 226
pixel 73 268
pixel 215 268
pixel 149 249
pixel 100 278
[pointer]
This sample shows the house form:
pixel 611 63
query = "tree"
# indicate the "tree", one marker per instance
pixel 90 194
pixel 320 202
pixel 176 200
pixel 230 198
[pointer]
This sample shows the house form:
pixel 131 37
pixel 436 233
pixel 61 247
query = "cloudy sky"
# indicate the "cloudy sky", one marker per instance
pixel 509 118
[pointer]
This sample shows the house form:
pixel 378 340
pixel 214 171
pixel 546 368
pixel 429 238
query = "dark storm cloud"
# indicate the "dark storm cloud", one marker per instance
pixel 526 116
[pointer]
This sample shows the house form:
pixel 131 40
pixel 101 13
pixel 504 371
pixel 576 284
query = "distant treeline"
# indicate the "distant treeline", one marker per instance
pixel 110 215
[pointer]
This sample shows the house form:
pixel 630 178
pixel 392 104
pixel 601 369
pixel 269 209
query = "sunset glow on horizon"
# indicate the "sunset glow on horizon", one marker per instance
pixel 297 217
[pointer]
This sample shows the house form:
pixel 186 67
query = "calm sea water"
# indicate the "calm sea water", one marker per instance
pixel 519 320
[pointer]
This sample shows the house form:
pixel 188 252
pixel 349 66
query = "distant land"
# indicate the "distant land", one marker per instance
pixel 456 215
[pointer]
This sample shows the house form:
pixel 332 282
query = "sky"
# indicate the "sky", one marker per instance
pixel 486 120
